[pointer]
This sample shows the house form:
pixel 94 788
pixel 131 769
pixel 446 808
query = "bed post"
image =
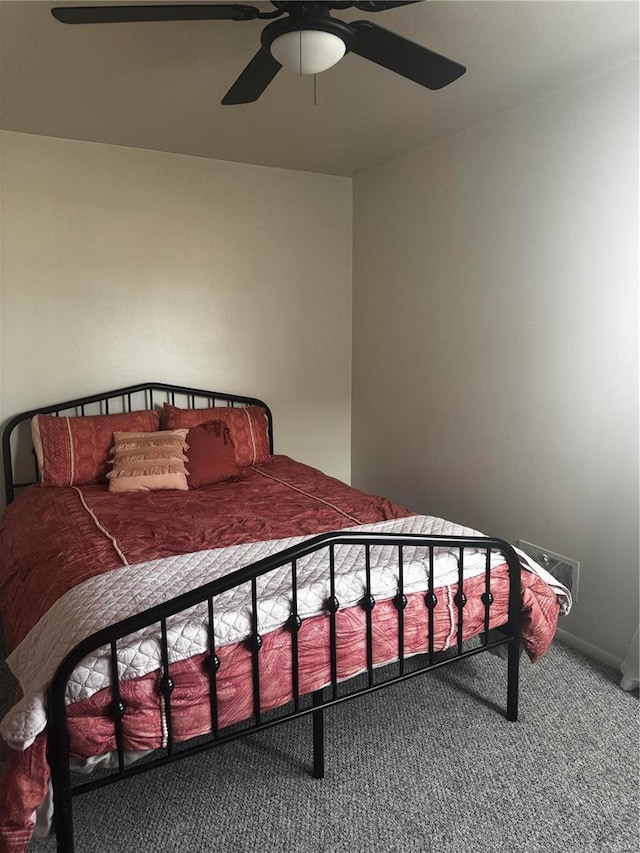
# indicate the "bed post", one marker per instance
pixel 318 736
pixel 512 680
pixel 58 757
pixel 513 659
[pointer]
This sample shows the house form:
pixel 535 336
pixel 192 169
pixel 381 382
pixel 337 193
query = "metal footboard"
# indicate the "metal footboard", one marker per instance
pixel 331 693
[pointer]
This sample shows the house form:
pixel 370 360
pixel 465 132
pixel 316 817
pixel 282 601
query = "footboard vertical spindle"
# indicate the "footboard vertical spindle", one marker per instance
pixel 368 603
pixel 487 597
pixel 256 644
pixel 332 622
pixel 400 602
pixel 118 707
pixel 431 602
pixel 165 685
pixel 460 599
pixel 294 627
pixel 213 665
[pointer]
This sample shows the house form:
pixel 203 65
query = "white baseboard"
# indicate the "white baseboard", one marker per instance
pixel 589 649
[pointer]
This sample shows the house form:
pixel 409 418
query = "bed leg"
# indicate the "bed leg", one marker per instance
pixel 318 737
pixel 512 680
pixel 63 821
pixel 58 758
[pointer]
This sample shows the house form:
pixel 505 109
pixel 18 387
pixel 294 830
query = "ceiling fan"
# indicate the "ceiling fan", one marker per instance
pixel 308 39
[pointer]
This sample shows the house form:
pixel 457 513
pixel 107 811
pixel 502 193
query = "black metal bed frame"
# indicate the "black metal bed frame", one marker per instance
pixel 332 693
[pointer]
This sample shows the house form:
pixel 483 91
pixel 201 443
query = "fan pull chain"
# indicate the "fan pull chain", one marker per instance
pixel 315 76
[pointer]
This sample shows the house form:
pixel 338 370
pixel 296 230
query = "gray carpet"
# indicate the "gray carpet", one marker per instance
pixel 430 765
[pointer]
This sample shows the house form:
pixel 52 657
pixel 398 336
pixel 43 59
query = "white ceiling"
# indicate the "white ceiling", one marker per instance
pixel 159 85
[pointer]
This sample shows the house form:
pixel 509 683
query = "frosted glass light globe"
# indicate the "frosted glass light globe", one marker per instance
pixel 308 51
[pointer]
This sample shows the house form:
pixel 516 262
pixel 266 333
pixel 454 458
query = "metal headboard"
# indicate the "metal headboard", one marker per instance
pixel 17 447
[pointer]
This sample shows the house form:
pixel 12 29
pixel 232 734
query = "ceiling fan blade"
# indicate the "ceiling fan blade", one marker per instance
pixel 378 6
pixel 254 79
pixel 405 57
pixel 177 12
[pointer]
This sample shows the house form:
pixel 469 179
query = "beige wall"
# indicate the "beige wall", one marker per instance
pixel 121 266
pixel 495 361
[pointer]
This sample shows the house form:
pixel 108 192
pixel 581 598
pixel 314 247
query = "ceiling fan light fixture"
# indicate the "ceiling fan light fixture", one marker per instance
pixel 308 51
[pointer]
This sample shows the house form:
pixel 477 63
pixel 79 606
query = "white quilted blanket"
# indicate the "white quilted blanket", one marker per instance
pixel 115 595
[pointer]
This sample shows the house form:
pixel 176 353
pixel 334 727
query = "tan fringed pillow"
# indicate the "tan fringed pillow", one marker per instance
pixel 148 461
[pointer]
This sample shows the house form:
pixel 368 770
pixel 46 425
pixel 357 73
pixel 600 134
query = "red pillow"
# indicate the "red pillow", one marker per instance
pixel 74 451
pixel 211 455
pixel 248 428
